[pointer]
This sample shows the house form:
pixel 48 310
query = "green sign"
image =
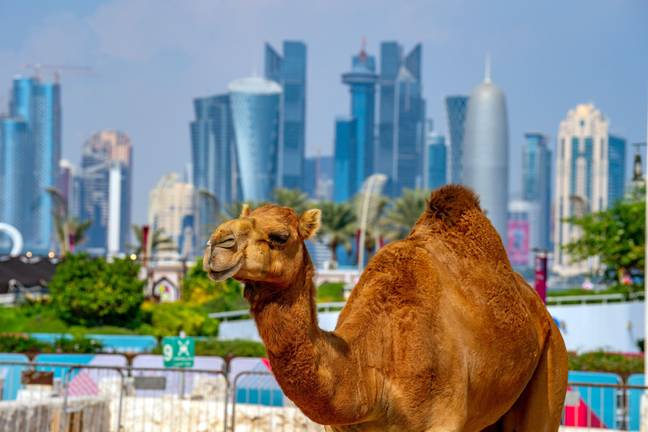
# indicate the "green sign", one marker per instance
pixel 178 352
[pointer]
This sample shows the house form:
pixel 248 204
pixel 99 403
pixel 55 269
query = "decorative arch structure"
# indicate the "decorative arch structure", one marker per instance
pixel 15 236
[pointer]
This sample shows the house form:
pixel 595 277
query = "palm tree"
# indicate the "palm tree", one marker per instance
pixel 69 231
pixel 404 213
pixel 292 198
pixel 338 226
pixel 159 241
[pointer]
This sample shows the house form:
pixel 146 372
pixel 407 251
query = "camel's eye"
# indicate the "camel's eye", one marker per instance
pixel 279 238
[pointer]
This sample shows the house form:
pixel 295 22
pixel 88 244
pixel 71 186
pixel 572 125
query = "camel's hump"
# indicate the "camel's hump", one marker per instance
pixel 448 203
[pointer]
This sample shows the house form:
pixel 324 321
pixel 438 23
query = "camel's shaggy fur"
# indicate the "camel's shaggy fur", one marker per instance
pixel 439 334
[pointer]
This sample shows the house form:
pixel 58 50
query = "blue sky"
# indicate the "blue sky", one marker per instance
pixel 151 57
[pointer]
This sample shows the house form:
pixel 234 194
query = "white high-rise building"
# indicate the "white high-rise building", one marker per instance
pixel 171 209
pixel 590 172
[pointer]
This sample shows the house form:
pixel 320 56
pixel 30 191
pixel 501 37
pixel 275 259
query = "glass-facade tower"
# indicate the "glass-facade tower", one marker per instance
pixel 616 168
pixel 103 152
pixel 436 163
pixel 344 166
pixel 289 71
pixel 456 107
pixel 14 187
pixel 362 82
pixel 402 118
pixel 32 139
pixel 536 185
pixel 214 164
pixel 255 104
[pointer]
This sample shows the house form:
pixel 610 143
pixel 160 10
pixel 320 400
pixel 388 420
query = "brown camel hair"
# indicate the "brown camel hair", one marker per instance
pixel 439 334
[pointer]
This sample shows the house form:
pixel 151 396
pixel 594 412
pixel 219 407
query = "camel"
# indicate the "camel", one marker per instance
pixel 439 333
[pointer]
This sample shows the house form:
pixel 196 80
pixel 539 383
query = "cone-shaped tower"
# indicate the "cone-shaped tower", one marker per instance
pixel 486 150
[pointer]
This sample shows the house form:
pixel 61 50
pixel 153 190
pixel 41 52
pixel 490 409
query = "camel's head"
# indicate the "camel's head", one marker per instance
pixel 264 245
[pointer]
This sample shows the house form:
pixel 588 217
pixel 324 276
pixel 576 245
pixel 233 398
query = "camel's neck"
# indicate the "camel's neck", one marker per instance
pixel 307 362
pixel 285 315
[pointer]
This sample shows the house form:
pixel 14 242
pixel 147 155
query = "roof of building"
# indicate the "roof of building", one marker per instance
pixel 28 272
pixel 254 85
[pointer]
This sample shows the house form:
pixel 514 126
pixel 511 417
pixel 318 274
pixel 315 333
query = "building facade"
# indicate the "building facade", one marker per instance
pixel 171 205
pixel 32 139
pixel 106 190
pixel 536 185
pixel 435 161
pixel 456 108
pixel 587 159
pixel 358 162
pixel 255 104
pixel 401 119
pixel 486 151
pixel 289 71
pixel 214 167
pixel 344 186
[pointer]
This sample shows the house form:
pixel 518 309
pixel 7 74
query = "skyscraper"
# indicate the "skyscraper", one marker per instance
pixel 536 186
pixel 344 166
pixel 289 71
pixel 486 151
pixel 456 107
pixel 435 163
pixel 35 120
pixel 14 178
pixel 590 168
pixel 255 104
pixel 171 207
pixel 106 177
pixel 213 148
pixel 402 118
pixel 358 161
pixel 214 163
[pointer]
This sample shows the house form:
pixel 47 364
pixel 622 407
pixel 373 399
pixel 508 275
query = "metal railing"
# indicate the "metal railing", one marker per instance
pixel 38 396
pixel 590 406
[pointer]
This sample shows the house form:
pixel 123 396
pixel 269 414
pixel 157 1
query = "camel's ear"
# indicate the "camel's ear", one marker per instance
pixel 245 210
pixel 309 223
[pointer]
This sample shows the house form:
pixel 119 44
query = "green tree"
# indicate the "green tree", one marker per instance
pixel 292 198
pixel 404 213
pixel 93 292
pixel 159 241
pixel 338 226
pixel 616 236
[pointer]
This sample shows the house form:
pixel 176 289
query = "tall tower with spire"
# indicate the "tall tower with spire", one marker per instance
pixel 354 165
pixel 486 149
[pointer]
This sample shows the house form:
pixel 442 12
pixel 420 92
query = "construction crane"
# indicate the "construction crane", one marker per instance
pixel 38 68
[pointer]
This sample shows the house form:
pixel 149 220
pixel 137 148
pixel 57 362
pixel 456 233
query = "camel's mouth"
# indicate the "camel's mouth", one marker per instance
pixel 221 275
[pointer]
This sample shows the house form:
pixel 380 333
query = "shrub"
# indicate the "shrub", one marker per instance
pixel 20 343
pixel 600 361
pixel 78 345
pixel 330 292
pixel 222 348
pixel 93 292
pixel 168 319
pixel 236 347
pixel 199 290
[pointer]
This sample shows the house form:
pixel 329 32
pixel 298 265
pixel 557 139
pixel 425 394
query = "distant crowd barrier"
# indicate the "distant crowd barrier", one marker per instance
pixel 107 395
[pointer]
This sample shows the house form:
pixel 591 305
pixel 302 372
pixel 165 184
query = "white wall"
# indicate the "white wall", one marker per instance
pixel 614 327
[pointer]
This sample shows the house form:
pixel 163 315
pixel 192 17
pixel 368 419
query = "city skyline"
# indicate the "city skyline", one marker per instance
pixel 153 69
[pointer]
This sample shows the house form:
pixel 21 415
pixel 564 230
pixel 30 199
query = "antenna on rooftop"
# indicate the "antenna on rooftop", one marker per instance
pixel 487 69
